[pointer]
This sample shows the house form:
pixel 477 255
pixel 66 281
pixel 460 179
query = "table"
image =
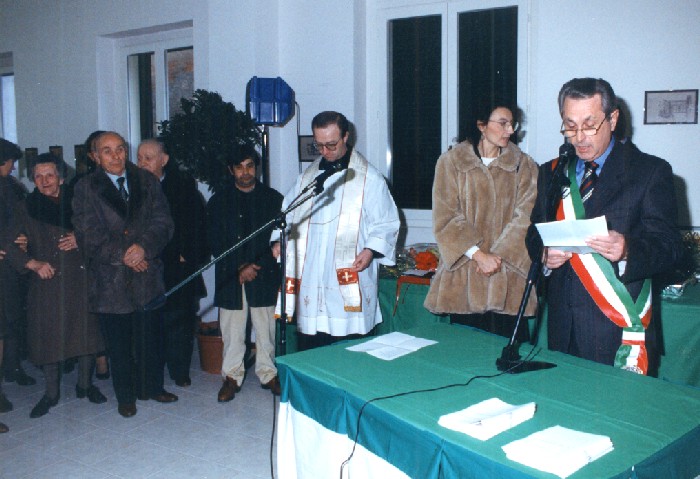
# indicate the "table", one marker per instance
pixel 653 425
pixel 402 306
pixel 680 318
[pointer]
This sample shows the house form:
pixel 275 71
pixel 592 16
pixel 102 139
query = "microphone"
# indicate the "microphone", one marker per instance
pixel 335 167
pixel 567 152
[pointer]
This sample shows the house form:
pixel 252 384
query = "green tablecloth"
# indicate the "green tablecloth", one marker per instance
pixel 680 318
pixel 653 425
pixel 680 326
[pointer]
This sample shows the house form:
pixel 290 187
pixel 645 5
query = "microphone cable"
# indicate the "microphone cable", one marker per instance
pixel 531 355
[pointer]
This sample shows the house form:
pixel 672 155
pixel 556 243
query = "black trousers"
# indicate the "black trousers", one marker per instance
pixel 178 341
pixel 496 323
pixel 312 341
pixel 133 348
pixel 15 318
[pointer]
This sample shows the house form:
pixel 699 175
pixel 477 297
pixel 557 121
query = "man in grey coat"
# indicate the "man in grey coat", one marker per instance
pixel 122 223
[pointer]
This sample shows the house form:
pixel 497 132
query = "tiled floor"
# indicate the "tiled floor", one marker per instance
pixel 195 437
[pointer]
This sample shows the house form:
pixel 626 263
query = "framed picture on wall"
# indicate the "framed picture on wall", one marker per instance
pixel 56 150
pixel 307 150
pixel 671 107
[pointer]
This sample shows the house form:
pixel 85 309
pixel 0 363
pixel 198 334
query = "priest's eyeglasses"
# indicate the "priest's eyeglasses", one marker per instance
pixel 332 146
pixel 505 124
pixel 586 130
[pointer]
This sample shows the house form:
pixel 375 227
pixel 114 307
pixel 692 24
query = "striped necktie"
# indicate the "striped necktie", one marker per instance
pixel 589 180
pixel 122 189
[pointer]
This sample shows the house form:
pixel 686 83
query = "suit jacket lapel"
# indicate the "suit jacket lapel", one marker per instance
pixel 609 184
pixel 107 191
pixel 135 196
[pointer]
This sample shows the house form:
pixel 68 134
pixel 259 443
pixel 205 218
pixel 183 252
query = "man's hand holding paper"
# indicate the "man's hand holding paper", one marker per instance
pixel 563 238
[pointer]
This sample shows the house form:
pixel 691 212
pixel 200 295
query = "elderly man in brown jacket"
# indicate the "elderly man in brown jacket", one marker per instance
pixel 122 223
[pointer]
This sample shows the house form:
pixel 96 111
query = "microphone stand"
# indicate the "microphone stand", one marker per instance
pixel 510 360
pixel 278 221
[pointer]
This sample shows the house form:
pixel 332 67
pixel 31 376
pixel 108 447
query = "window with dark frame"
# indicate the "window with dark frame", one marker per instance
pixel 179 83
pixel 487 56
pixel 488 59
pixel 416 99
pixel 145 86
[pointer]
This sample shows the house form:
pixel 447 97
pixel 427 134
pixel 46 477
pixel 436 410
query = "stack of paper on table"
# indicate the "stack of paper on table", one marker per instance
pixel 391 346
pixel 558 450
pixel 487 418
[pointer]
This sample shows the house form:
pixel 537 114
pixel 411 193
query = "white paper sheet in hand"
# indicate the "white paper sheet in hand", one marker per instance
pixel 558 450
pixel 487 418
pixel 391 346
pixel 570 235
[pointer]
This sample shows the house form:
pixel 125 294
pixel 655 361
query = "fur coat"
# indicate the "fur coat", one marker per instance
pixel 59 326
pixel 487 206
pixel 106 227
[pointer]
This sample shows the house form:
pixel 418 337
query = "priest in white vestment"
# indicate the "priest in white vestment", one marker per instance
pixel 337 240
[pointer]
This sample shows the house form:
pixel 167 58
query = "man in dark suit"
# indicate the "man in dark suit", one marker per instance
pixel 185 253
pixel 15 289
pixel 122 224
pixel 247 280
pixel 600 303
pixel 9 230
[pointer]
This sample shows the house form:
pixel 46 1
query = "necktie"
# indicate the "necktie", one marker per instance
pixel 122 189
pixel 589 180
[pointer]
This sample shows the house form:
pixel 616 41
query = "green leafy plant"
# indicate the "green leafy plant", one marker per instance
pixel 208 133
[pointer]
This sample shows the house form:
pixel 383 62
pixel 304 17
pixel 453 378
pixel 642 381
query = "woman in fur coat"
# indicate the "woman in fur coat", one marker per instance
pixel 483 193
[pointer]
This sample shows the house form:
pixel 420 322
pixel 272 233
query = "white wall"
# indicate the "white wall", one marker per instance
pixel 55 58
pixel 320 48
pixel 638 46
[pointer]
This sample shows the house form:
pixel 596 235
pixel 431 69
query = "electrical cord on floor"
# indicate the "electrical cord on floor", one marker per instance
pixel 529 357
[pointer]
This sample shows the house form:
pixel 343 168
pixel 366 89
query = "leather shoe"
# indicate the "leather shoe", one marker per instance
pixel 93 394
pixel 183 383
pixel 274 386
pixel 127 409
pixel 228 390
pixel 3 428
pixel 5 404
pixel 43 406
pixel 164 396
pixel 20 377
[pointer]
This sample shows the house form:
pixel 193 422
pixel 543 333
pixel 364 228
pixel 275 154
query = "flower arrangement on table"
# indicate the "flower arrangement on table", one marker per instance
pixel 420 256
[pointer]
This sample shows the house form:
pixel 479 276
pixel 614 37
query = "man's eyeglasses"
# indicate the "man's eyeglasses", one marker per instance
pixel 586 130
pixel 505 124
pixel 332 146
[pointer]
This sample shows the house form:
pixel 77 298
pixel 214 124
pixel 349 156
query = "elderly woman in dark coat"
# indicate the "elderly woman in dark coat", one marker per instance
pixel 59 325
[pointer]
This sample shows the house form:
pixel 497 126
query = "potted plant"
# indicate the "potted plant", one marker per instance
pixel 206 134
pixel 201 139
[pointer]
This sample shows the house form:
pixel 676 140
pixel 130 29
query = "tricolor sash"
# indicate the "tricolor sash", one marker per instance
pixel 607 291
pixel 346 238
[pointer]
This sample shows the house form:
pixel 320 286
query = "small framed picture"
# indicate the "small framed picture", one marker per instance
pixel 671 107
pixel 307 150
pixel 56 150
pixel 30 157
pixel 81 159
